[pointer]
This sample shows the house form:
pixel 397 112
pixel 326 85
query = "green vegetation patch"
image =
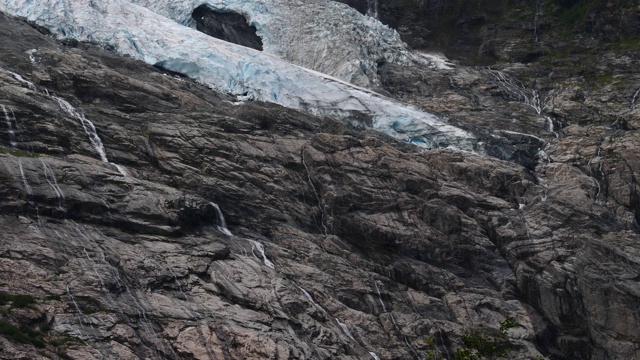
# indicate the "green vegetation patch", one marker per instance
pixel 21 334
pixel 576 12
pixel 65 340
pixel 628 44
pixel 18 153
pixel 478 344
pixel 17 301
pixel 445 16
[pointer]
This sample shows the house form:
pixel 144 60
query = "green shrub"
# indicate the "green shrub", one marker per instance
pixel 478 344
pixel 17 301
pixel 18 152
pixel 21 334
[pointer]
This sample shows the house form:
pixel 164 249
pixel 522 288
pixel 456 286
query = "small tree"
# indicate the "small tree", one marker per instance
pixel 478 344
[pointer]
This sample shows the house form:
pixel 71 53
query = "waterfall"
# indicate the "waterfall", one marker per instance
pixel 536 20
pixel 222 224
pixel 345 329
pixel 29 84
pixel 632 105
pixel 27 187
pixel 16 125
pixel 516 89
pixel 343 326
pixel 87 125
pixel 86 236
pixel 32 58
pixel 315 191
pixel 145 324
pixel 308 296
pixel 77 307
pixel 175 278
pixel 50 176
pixel 443 344
pixel 93 267
pixel 393 320
pixel 551 122
pixel 90 130
pixel 372 8
pixel 258 246
pixel 542 155
pixel 10 120
pixel 384 308
pixel 122 170
pixel 255 245
pixel 602 174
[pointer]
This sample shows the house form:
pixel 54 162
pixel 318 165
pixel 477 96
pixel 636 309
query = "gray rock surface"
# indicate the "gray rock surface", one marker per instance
pixel 345 242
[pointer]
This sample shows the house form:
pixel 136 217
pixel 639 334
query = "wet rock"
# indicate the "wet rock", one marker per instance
pixel 345 241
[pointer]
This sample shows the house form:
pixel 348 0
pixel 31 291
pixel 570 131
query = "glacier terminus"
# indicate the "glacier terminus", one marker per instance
pixel 161 33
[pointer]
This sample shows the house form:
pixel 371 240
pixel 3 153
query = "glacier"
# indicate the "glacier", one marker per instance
pixel 142 30
pixel 326 36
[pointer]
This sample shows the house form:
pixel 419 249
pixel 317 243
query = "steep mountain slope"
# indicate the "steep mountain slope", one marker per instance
pixel 138 263
pixel 339 242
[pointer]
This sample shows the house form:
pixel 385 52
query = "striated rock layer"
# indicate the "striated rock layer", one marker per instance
pixel 250 231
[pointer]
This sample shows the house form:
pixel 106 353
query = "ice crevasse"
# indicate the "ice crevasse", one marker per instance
pixel 158 33
pixel 325 36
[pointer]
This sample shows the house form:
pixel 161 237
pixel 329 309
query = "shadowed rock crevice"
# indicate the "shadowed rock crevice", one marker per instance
pixel 227 26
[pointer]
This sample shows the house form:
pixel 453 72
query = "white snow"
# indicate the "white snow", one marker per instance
pixel 136 31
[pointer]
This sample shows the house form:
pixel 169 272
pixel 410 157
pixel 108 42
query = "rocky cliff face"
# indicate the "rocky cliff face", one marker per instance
pixel 212 229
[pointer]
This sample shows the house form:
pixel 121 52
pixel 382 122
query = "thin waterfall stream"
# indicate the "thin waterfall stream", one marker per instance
pixel 516 89
pixel 393 320
pixel 10 120
pixel 27 187
pixel 222 227
pixel 372 8
pixel 255 245
pixel 50 177
pixel 87 125
pixel 632 104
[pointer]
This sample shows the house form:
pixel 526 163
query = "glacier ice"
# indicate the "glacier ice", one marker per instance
pixel 134 30
pixel 322 35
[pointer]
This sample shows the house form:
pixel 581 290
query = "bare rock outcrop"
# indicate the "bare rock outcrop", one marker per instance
pixel 250 231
